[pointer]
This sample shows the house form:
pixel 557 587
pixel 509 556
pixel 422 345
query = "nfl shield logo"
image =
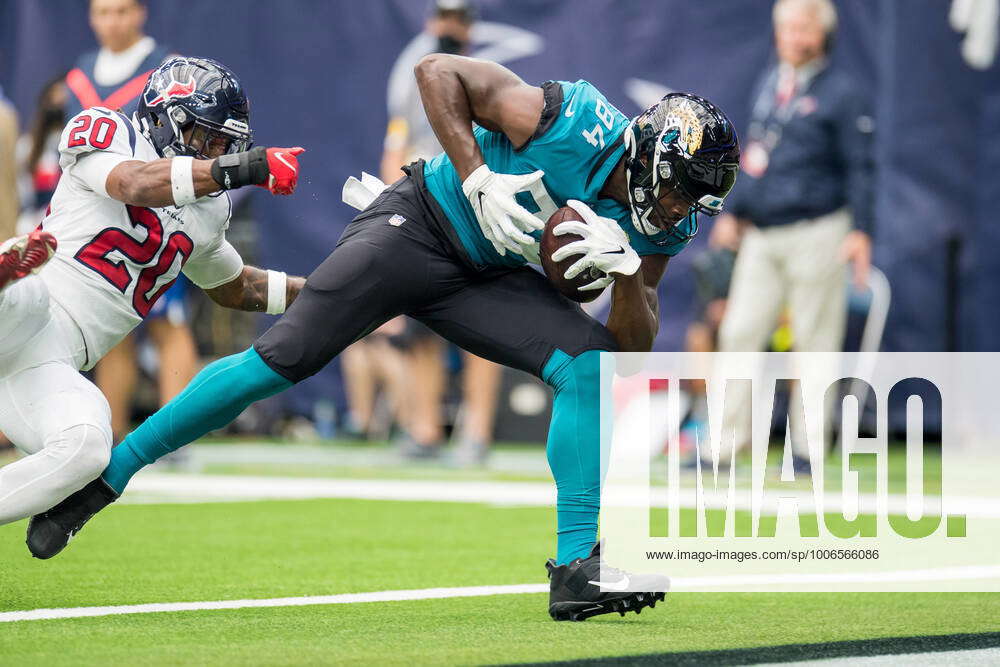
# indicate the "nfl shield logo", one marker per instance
pixel 396 220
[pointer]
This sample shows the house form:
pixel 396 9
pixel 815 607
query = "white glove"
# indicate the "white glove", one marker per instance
pixel 360 194
pixel 504 222
pixel 604 247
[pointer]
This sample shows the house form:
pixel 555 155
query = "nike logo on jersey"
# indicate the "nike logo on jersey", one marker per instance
pixel 569 109
pixel 620 585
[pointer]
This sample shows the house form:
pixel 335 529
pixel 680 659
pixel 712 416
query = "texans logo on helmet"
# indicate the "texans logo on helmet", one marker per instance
pixel 174 90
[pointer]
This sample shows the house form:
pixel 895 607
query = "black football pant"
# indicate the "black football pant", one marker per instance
pixel 396 258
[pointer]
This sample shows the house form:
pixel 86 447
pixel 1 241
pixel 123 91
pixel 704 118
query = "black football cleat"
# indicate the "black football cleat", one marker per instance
pixel 575 589
pixel 50 532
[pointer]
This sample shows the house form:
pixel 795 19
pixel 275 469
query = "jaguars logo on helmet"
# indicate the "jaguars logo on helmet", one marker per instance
pixel 686 144
pixel 191 104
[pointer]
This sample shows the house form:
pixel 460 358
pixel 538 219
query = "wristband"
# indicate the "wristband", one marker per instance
pixel 239 169
pixel 182 180
pixel 277 287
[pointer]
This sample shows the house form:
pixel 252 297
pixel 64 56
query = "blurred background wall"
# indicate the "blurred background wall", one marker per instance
pixel 316 72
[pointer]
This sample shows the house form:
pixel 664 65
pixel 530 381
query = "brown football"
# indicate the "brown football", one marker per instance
pixel 556 270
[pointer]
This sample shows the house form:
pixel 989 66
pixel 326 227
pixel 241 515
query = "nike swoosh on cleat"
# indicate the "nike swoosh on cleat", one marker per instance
pixel 618 586
pixel 620 251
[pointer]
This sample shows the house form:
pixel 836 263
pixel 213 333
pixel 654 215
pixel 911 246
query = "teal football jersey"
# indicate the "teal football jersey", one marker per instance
pixel 577 152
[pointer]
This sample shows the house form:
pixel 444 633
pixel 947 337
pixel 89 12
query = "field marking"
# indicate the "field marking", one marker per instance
pixel 942 574
pixel 346 598
pixel 972 656
pixel 188 488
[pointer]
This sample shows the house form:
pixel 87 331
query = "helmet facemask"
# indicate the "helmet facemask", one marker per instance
pixel 233 136
pixel 645 180
pixel 201 134
pixel 662 155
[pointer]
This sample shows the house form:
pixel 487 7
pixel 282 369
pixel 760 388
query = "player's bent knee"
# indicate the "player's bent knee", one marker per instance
pixel 581 373
pixel 87 449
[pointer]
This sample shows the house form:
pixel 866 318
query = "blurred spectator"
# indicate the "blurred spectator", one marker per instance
pixel 713 271
pixel 804 197
pixel 373 367
pixel 8 184
pixel 114 76
pixel 38 155
pixel 8 169
pixel 409 137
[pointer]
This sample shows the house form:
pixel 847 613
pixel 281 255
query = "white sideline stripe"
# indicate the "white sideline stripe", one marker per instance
pixel 984 656
pixel 201 488
pixel 942 574
pixel 347 598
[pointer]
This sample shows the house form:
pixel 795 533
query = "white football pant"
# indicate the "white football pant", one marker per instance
pixel 51 413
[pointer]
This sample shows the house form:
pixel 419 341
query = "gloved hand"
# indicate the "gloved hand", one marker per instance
pixel 504 222
pixel 283 170
pixel 276 169
pixel 604 246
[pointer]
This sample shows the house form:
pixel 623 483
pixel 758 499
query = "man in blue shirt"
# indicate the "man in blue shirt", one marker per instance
pixel 804 200
pixel 448 243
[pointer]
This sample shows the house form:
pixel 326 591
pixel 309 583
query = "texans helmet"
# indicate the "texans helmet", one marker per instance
pixel 195 107
pixel 685 143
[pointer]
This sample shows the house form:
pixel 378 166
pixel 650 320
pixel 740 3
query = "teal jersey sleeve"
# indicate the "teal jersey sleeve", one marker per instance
pixel 577 145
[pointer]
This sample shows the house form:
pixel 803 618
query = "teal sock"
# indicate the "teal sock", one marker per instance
pixel 574 450
pixel 214 398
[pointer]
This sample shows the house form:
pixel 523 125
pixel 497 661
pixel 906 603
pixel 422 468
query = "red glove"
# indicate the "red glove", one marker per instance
pixel 283 168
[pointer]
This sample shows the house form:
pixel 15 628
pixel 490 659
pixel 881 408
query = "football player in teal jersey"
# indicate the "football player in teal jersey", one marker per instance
pixel 448 245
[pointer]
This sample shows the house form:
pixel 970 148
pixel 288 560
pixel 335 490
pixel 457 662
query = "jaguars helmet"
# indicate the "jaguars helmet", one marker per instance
pixel 683 142
pixel 197 94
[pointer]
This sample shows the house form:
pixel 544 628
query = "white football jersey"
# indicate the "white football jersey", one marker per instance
pixel 114 261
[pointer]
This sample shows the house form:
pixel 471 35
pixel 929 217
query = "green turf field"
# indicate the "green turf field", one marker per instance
pixel 221 551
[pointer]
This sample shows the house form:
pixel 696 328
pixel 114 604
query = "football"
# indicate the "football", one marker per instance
pixel 556 270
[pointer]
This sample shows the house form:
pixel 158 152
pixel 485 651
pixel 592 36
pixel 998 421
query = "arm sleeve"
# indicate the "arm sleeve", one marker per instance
pixel 216 265
pixel 92 170
pixel 218 262
pixel 854 144
pixel 94 142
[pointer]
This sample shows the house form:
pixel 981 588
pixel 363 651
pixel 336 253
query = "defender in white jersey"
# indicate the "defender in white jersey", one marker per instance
pixel 139 201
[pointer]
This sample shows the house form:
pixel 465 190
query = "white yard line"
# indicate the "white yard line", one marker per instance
pixel 942 574
pixel 348 598
pixel 186 488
